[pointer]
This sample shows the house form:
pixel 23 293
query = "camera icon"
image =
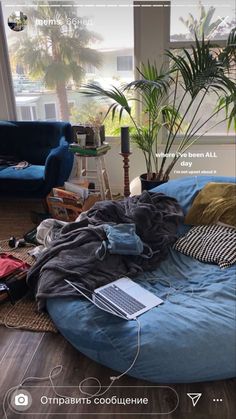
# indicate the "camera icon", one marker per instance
pixel 21 400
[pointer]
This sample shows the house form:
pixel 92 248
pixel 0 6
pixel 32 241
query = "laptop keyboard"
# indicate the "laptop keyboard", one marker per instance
pixel 124 301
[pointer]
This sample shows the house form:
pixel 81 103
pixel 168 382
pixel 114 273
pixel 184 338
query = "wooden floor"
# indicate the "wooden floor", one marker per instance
pixel 29 354
pixel 24 354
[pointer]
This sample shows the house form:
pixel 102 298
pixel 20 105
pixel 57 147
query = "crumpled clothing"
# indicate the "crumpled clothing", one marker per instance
pixel 47 231
pixel 73 255
pixel 10 264
pixel 14 162
pixel 21 165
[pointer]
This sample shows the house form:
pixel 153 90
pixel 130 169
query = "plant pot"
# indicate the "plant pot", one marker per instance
pixel 146 185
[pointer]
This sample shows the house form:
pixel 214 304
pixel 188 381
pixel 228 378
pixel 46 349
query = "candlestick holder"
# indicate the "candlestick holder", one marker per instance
pixel 126 173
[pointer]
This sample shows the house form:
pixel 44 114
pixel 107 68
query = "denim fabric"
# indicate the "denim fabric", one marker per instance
pixel 122 239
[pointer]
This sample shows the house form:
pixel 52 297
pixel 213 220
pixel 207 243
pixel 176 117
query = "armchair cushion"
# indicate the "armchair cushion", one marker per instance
pixel 29 179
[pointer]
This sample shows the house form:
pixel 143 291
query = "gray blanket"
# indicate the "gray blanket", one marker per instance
pixel 72 255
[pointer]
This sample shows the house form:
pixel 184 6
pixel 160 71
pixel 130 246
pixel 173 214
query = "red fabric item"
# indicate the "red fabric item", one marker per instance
pixel 9 264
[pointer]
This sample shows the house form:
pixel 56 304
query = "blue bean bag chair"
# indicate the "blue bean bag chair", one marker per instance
pixel 189 338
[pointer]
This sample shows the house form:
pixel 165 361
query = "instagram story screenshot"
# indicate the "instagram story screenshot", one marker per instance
pixel 117 209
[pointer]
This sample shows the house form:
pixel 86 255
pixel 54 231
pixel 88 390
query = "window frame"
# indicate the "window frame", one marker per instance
pixel 122 57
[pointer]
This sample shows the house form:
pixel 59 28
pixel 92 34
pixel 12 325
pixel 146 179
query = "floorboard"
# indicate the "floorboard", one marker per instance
pixel 28 354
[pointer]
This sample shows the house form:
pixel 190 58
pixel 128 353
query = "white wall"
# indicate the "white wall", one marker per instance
pixel 224 164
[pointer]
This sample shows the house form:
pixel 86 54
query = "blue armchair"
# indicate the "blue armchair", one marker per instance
pixel 44 145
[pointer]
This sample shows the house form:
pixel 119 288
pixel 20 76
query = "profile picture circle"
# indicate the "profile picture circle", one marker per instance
pixel 17 21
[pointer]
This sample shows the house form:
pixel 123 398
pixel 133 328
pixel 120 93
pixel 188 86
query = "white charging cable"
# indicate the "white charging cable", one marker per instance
pixel 112 311
pixel 54 374
pixel 49 377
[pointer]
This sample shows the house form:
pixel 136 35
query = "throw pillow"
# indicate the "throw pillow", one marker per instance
pixel 216 202
pixel 211 244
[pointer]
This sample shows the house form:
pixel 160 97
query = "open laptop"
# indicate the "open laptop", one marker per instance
pixel 123 298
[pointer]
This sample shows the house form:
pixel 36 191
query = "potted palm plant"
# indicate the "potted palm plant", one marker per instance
pixel 173 100
pixel 150 91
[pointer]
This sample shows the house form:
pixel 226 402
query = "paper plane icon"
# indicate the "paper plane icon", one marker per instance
pixel 194 397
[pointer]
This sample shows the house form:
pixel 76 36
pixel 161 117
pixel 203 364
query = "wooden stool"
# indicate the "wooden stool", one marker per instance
pixel 100 174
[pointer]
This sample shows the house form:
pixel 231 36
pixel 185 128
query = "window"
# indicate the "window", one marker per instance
pixel 50 111
pixel 34 113
pixel 28 113
pixel 25 113
pixel 125 63
pixel 117 37
pixel 93 38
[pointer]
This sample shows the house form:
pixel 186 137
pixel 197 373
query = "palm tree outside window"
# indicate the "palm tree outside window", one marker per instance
pixel 64 47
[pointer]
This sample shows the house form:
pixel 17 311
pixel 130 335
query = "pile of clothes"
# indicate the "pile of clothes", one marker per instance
pixel 12 278
pixel 74 255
